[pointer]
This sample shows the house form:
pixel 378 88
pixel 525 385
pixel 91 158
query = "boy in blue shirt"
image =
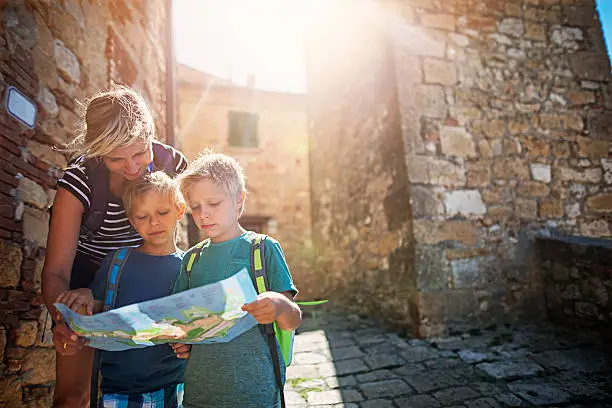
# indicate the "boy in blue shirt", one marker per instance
pixel 239 373
pixel 150 377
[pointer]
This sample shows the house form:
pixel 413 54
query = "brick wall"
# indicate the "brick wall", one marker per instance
pixel 578 282
pixel 505 126
pixel 56 53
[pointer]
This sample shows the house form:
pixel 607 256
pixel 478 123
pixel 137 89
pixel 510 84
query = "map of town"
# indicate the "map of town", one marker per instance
pixel 207 314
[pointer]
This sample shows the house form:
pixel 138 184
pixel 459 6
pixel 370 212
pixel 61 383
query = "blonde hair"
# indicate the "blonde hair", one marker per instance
pixel 158 182
pixel 219 168
pixel 114 118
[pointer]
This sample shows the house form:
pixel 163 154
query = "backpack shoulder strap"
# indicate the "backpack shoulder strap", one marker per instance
pixel 258 264
pixel 97 181
pixel 110 298
pixel 114 276
pixel 193 256
pixel 163 158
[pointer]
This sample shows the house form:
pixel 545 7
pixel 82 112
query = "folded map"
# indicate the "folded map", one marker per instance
pixel 207 314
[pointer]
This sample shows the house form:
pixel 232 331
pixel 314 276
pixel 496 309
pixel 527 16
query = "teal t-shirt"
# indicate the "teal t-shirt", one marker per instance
pixel 239 373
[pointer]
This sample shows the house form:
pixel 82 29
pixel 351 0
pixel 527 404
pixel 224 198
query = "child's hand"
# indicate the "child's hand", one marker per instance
pixel 79 300
pixel 181 350
pixel 266 308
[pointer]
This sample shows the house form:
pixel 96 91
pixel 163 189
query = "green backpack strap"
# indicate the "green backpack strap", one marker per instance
pixel 192 257
pixel 258 266
pixel 274 334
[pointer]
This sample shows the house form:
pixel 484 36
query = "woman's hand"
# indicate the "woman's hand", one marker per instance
pixel 181 350
pixel 79 300
pixel 66 342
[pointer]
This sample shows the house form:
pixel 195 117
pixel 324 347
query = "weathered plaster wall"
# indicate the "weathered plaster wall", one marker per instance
pixel 278 180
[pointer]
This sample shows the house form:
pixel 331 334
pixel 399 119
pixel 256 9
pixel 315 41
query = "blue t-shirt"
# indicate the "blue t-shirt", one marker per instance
pixel 144 277
pixel 239 373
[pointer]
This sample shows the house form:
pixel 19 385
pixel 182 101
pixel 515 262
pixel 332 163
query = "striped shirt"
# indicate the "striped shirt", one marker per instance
pixel 115 231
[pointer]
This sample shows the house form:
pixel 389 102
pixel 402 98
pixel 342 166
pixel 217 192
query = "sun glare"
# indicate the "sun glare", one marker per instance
pixel 238 38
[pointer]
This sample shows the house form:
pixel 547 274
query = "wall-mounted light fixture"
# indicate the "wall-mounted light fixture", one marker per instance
pixel 20 107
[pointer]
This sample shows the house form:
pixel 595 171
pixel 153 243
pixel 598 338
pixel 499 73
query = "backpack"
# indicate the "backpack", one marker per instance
pixel 274 334
pixel 110 298
pixel 97 173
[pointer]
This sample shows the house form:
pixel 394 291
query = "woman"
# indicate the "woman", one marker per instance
pixel 88 219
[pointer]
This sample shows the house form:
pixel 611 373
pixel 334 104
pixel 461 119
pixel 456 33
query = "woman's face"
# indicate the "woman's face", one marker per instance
pixel 130 161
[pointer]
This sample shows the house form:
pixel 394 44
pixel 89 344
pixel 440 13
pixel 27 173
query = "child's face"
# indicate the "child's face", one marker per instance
pixel 214 210
pixel 155 216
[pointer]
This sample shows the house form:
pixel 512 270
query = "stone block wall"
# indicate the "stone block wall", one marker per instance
pixel 504 111
pixel 56 53
pixel 506 123
pixel 578 282
pixel 362 230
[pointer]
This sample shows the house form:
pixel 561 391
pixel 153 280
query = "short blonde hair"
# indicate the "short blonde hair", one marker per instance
pixel 158 182
pixel 219 168
pixel 114 118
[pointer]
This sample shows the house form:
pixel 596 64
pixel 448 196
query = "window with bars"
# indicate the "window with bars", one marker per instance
pixel 242 129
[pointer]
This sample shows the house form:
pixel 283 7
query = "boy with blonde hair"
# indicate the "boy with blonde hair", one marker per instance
pixel 239 373
pixel 149 377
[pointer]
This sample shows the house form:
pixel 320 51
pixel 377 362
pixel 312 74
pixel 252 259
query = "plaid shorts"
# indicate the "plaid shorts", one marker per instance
pixel 169 397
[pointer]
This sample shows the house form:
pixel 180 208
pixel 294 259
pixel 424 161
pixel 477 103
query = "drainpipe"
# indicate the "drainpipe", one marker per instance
pixel 170 86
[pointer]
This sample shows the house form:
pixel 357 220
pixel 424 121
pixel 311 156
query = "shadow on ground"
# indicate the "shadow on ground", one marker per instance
pixel 346 361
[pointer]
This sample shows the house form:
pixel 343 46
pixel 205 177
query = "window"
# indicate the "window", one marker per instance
pixel 255 223
pixel 242 129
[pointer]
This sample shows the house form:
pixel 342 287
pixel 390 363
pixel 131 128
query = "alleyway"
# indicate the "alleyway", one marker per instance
pixel 345 361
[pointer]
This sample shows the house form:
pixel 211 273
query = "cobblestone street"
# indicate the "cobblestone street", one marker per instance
pixel 345 361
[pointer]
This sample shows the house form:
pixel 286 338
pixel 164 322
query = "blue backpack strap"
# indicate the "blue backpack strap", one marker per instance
pixel 110 298
pixel 113 278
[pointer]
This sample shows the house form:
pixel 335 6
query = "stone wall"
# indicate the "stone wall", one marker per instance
pixel 362 226
pixel 506 122
pixel 505 114
pixel 578 282
pixel 56 53
pixel 277 172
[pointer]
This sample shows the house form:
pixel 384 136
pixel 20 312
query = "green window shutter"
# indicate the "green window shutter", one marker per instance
pixel 243 129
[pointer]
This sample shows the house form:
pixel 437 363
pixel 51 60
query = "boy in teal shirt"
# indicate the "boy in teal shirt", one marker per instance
pixel 239 373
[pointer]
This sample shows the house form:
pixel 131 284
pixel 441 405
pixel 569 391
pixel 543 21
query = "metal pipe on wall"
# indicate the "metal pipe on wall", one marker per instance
pixel 170 85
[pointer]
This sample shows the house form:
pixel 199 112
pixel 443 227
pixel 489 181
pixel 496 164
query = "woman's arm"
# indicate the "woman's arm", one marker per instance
pixel 61 246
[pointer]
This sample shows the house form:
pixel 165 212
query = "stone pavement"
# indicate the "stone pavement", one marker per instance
pixel 345 361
